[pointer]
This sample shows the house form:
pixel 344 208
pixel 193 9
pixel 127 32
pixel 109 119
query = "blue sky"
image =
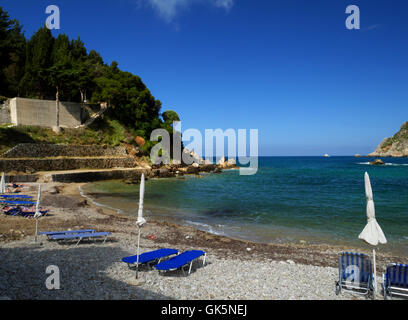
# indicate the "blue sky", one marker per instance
pixel 288 68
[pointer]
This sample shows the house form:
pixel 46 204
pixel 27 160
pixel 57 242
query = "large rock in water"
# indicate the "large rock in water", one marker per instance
pixel 397 146
pixel 377 162
pixel 193 170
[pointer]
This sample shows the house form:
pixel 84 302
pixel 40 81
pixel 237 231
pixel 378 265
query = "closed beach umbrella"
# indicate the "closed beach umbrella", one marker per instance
pixel 372 232
pixel 38 204
pixel 37 211
pixel 3 184
pixel 140 220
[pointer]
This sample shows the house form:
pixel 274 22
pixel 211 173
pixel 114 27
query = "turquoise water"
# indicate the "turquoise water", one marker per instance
pixel 321 200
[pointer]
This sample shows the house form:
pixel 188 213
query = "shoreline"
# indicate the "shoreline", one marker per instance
pixel 277 236
pixel 72 190
pixel 293 245
pixel 251 263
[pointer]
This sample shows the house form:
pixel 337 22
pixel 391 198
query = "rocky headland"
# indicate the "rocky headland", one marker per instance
pixel 396 146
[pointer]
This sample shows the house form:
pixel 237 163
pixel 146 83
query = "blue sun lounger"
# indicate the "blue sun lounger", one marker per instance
pixel 50 233
pixel 182 260
pixel 355 273
pixel 150 257
pixel 395 280
pixel 15 196
pixel 80 236
pixel 18 203
pixel 31 214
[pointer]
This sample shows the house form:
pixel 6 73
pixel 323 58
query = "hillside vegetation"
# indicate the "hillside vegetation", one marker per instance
pixel 104 131
pixel 396 146
pixel 45 67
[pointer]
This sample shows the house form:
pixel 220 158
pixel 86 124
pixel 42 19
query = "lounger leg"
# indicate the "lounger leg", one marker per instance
pixel 105 239
pixel 204 260
pixel 191 264
pixel 78 241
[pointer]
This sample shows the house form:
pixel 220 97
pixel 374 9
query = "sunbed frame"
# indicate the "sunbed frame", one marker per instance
pixel 51 233
pixel 81 236
pixel 392 286
pixel 166 254
pixel 189 264
pixel 365 281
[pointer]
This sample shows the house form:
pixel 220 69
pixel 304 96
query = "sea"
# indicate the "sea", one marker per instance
pixel 320 200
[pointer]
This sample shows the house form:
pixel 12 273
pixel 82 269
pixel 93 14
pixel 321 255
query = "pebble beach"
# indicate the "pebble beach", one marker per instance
pixel 93 270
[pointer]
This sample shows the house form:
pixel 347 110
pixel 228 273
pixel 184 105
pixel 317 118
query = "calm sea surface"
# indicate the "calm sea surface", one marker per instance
pixel 317 199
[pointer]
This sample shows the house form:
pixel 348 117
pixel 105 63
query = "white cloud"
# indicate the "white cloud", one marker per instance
pixel 168 9
pixel 226 4
pixel 374 26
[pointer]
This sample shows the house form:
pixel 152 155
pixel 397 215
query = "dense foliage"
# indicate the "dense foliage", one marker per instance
pixel 46 67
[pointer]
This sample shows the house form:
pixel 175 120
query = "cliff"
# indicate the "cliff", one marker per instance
pixel 397 146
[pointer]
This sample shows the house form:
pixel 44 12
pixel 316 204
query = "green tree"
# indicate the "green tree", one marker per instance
pixel 47 67
pixel 81 67
pixel 12 54
pixel 60 74
pixel 36 80
pixel 170 116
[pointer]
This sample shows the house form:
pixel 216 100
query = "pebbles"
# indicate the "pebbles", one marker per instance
pixel 94 270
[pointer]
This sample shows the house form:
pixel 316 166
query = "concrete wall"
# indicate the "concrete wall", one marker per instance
pixel 43 113
pixel 5 116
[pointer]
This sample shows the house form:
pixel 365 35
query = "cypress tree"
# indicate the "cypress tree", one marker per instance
pixel 36 81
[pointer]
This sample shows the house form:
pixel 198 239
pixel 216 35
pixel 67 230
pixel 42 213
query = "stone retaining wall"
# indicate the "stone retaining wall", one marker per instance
pixel 24 165
pixel 96 176
pixel 22 178
pixel 32 150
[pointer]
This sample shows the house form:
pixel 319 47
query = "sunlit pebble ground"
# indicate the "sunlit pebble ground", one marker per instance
pixel 93 270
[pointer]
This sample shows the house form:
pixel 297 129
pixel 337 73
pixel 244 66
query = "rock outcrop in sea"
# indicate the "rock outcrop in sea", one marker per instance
pixel 397 146
pixel 377 162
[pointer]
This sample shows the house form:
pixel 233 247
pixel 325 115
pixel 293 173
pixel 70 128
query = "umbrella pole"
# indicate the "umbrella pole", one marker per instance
pixel 375 273
pixel 36 230
pixel 138 249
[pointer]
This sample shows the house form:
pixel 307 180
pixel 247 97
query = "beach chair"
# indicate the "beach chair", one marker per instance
pixel 30 214
pixel 50 233
pixel 181 261
pixel 16 196
pixel 18 203
pixel 80 236
pixel 150 257
pixel 16 211
pixel 11 211
pixel 355 273
pixel 395 280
